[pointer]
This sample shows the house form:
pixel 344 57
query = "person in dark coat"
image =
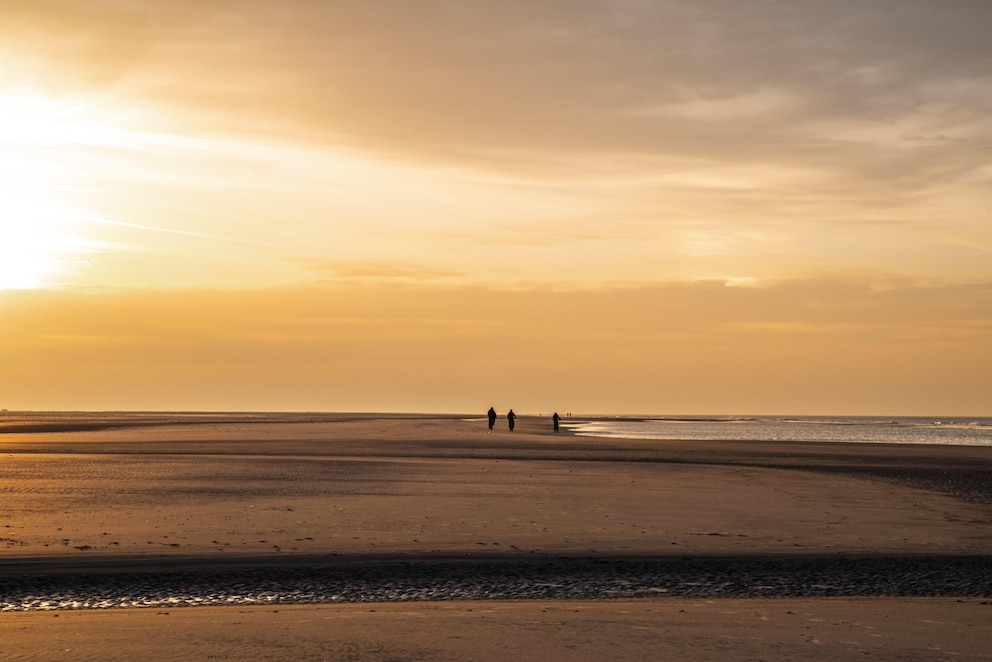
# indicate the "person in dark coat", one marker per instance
pixel 555 419
pixel 511 417
pixel 492 418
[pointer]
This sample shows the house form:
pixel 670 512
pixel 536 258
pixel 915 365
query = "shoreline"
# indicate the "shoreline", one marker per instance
pixel 33 421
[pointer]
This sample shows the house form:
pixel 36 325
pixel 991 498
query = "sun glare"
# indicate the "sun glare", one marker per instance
pixel 33 242
pixel 38 227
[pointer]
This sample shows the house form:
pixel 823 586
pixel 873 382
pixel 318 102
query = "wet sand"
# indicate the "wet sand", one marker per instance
pixel 169 498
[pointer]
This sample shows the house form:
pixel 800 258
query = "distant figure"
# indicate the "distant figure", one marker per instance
pixel 555 419
pixel 492 418
pixel 511 417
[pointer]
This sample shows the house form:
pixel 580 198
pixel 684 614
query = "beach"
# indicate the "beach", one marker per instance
pixel 366 536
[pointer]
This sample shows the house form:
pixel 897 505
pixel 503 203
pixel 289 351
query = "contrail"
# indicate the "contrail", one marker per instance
pixel 188 233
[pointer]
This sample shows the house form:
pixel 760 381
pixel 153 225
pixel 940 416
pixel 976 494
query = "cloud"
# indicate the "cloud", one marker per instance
pixel 666 131
pixel 378 272
pixel 442 79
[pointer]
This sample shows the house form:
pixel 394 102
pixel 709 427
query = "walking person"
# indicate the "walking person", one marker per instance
pixel 511 417
pixel 555 419
pixel 492 418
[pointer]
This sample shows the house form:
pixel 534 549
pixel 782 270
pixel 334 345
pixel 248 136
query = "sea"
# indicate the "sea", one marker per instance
pixel 962 431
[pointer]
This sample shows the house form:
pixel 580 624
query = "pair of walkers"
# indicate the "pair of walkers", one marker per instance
pixel 510 417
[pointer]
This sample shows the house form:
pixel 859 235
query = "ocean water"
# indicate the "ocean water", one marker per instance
pixel 884 430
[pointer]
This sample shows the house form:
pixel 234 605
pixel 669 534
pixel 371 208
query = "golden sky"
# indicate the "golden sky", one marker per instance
pixel 595 206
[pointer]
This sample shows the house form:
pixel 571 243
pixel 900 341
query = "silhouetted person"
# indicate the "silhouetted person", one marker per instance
pixel 511 417
pixel 492 418
pixel 555 419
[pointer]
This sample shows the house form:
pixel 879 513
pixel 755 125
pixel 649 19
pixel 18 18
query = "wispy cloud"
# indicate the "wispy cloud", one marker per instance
pixel 377 272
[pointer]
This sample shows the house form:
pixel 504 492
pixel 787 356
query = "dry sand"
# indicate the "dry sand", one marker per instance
pixel 98 494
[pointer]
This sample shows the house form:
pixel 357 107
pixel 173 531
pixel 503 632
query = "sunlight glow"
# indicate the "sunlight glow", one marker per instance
pixel 38 227
pixel 33 241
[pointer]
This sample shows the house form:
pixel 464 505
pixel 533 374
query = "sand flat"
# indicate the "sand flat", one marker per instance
pixel 174 494
pixel 428 485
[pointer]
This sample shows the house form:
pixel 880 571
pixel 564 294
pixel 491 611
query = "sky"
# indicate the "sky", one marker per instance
pixel 586 206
